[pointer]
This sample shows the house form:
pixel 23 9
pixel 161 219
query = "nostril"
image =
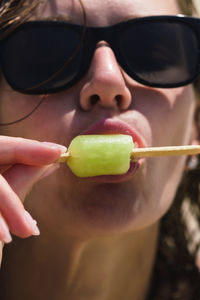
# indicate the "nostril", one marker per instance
pixel 94 99
pixel 119 99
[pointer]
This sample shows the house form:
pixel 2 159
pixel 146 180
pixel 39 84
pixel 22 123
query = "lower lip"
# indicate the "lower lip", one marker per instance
pixel 118 178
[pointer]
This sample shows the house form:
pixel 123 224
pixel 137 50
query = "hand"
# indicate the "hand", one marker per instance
pixel 22 163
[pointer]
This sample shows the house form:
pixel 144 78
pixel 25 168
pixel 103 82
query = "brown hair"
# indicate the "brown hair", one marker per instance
pixel 187 7
pixel 14 12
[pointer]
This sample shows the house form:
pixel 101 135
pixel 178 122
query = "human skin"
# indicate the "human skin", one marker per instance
pixel 71 212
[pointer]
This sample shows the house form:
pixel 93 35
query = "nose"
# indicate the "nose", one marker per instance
pixel 105 84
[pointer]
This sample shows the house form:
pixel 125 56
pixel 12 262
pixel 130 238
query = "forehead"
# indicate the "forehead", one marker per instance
pixel 105 12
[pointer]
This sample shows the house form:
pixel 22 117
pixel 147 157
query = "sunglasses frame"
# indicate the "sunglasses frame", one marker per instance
pixel 90 36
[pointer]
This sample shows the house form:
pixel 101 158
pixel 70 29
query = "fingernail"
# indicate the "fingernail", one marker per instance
pixel 7 238
pixel 32 223
pixel 55 146
pixel 49 170
pixel 6 234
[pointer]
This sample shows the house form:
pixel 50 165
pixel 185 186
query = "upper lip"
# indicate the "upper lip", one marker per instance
pixel 115 126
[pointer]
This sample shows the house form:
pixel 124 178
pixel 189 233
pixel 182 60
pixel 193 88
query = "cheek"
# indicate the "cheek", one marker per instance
pixel 50 121
pixel 172 120
pixel 163 184
pixel 171 123
pixel 13 105
pixel 169 112
pixel 176 129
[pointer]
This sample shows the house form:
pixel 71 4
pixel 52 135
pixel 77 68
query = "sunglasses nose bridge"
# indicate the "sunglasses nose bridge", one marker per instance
pixel 101 37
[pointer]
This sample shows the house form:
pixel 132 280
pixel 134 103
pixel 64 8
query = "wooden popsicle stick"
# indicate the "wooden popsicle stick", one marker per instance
pixel 63 157
pixel 153 151
pixel 165 151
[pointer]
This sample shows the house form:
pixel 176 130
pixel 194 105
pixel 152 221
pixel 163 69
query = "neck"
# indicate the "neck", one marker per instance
pixel 111 268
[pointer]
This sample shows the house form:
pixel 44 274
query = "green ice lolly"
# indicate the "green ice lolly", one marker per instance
pixel 94 155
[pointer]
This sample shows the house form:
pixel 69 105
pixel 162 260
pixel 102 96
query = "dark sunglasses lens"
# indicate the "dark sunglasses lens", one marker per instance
pixel 41 59
pixel 160 53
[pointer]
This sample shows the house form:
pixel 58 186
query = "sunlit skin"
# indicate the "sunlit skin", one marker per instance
pixel 88 225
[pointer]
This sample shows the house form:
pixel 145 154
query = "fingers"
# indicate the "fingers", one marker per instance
pixel 22 178
pixel 29 152
pixel 4 231
pixel 22 163
pixel 14 213
pixel 15 185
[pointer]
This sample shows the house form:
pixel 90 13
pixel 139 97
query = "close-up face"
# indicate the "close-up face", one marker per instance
pixel 105 100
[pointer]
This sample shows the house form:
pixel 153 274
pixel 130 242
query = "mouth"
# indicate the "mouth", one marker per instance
pixel 115 126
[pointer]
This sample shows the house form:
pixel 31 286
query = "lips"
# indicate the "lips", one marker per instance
pixel 115 126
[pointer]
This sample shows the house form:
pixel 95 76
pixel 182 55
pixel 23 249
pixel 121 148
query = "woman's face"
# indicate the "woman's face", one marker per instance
pixel 158 117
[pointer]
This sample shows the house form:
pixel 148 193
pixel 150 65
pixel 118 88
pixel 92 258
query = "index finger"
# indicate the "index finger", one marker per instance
pixel 30 152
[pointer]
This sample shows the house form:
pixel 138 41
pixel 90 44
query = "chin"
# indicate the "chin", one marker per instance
pixel 107 209
pixel 95 207
pixel 89 208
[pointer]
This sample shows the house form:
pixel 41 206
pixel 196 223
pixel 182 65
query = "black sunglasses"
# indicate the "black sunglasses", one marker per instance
pixel 42 57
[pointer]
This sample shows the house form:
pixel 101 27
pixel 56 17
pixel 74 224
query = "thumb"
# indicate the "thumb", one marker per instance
pixel 21 178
